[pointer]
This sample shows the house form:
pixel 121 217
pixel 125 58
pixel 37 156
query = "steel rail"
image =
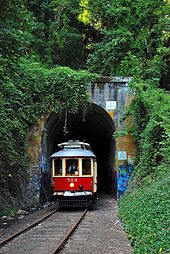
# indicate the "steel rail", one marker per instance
pixel 62 242
pixel 5 241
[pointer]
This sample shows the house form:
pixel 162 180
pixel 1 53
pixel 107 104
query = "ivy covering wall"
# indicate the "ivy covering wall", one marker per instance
pixel 145 207
pixel 32 93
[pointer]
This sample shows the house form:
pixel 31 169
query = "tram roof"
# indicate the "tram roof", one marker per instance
pixel 73 152
pixel 74 144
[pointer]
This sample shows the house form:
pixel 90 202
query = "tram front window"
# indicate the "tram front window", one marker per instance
pixel 72 167
pixel 86 166
pixel 57 167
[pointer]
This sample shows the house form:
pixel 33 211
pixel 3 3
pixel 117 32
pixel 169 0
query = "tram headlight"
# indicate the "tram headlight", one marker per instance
pixel 71 185
pixel 80 187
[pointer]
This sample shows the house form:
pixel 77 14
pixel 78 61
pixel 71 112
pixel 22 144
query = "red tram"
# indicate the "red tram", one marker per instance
pixel 74 174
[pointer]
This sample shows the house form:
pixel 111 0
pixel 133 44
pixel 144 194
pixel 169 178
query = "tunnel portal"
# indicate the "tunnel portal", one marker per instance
pixel 97 129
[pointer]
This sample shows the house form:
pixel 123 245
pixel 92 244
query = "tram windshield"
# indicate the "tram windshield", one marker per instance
pixel 86 166
pixel 72 167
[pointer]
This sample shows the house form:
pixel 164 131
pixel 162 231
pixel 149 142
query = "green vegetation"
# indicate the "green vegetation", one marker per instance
pixel 34 92
pixel 48 50
pixel 145 207
pixel 30 86
pixel 12 211
pixel 145 212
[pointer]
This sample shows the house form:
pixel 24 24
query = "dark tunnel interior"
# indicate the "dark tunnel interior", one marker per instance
pixel 97 129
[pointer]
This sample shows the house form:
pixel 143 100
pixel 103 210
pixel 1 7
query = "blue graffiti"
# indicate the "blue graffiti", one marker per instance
pixel 123 177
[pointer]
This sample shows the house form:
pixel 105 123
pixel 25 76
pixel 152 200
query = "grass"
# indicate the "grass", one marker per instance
pixel 6 211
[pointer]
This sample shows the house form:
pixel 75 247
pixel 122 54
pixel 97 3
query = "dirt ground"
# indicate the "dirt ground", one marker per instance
pixel 101 231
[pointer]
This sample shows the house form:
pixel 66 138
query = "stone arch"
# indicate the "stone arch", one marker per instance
pixel 97 129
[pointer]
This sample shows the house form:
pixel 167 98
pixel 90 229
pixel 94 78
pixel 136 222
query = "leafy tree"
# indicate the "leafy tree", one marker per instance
pixel 130 29
pixel 59 36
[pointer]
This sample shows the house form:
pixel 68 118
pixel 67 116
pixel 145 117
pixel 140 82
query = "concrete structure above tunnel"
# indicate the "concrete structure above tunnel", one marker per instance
pixel 114 95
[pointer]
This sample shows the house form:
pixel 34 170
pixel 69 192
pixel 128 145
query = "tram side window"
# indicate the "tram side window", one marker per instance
pixel 57 167
pixel 86 166
pixel 72 167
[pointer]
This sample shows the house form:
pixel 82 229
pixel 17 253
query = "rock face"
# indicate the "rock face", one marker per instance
pixel 22 212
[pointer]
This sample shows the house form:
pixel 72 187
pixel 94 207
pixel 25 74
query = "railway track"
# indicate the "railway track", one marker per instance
pixel 46 236
pixel 19 232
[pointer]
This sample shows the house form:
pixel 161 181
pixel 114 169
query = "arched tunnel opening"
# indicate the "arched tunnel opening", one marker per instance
pixel 97 129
